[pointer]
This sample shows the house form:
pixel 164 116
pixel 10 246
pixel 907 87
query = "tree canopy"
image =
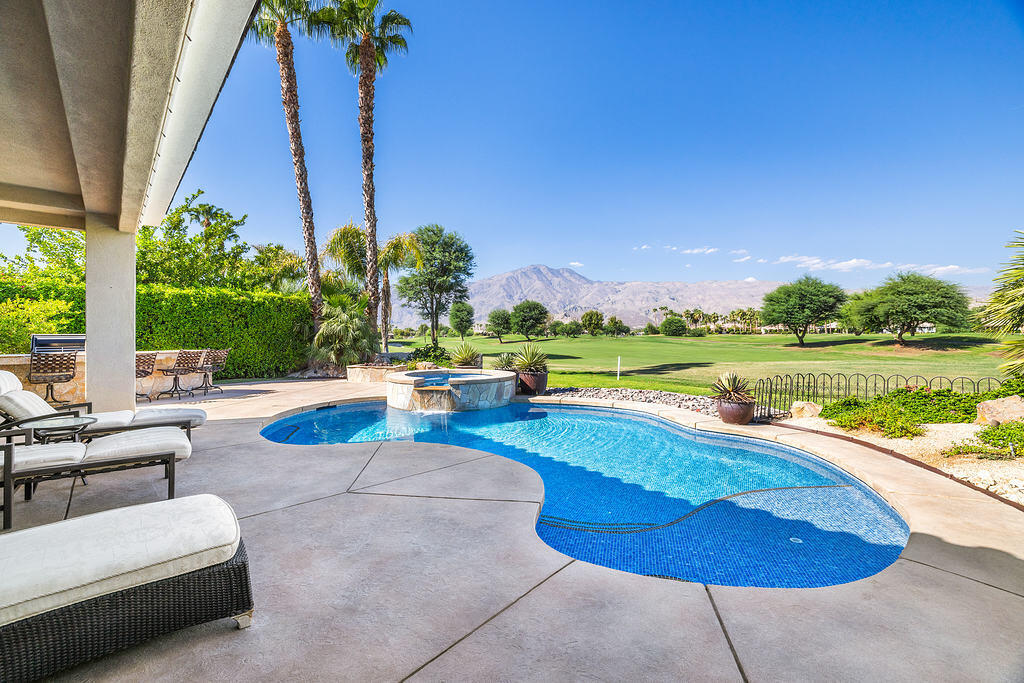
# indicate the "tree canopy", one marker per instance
pixel 801 304
pixel 673 326
pixel 529 318
pixel 593 322
pixel 461 318
pixel 615 327
pixel 499 323
pixel 446 265
pixel 905 301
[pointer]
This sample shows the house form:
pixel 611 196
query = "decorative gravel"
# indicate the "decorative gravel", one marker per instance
pixel 699 404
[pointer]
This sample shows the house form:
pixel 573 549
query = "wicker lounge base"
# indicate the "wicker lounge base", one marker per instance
pixel 47 643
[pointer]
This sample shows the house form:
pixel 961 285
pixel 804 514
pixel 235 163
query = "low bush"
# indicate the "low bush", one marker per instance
pixel 465 354
pixel 673 326
pixel 430 354
pixel 21 318
pixel 697 332
pixel 999 442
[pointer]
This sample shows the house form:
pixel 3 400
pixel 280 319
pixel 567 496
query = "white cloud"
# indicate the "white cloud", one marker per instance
pixel 762 260
pixel 699 250
pixel 739 252
pixel 575 264
pixel 847 265
pixel 741 259
pixel 670 247
pixel 750 279
pixel 642 247
pixel 689 265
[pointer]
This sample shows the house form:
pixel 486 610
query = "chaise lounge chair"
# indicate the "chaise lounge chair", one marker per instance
pixel 86 587
pixel 20 406
pixel 26 465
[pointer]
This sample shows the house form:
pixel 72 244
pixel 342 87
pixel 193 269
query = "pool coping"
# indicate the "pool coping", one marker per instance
pixel 484 377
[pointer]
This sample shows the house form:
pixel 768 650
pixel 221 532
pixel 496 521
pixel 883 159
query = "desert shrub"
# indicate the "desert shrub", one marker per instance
pixel 651 328
pixel 998 442
pixel 673 327
pixel 465 354
pixel 21 318
pixel 505 361
pixel 887 419
pixel 843 405
pixel 430 354
pixel 697 332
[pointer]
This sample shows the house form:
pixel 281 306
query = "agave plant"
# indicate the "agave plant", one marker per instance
pixel 465 354
pixel 531 359
pixel 505 361
pixel 732 388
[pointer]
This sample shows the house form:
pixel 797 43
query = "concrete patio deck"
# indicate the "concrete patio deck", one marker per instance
pixel 395 560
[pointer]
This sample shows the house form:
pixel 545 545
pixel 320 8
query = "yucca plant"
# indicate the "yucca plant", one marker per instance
pixel 465 354
pixel 732 388
pixel 505 361
pixel 531 359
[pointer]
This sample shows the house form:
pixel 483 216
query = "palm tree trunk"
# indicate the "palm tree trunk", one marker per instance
pixel 290 102
pixel 385 308
pixel 367 75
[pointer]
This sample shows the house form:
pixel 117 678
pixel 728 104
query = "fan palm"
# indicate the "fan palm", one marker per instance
pixel 369 35
pixel 1005 309
pixel 272 26
pixel 344 336
pixel 346 247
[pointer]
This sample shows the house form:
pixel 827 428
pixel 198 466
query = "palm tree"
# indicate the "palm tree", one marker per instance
pixel 346 246
pixel 271 27
pixel 1004 312
pixel 344 336
pixel 369 35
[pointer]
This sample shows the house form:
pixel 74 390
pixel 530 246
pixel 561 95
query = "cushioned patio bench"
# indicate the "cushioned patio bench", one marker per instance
pixel 21 406
pixel 79 589
pixel 27 465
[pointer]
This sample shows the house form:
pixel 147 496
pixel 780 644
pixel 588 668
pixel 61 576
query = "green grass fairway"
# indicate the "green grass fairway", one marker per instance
pixel 691 364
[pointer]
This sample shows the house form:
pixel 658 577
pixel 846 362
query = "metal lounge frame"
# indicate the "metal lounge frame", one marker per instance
pixel 76 410
pixel 30 478
pixel 52 368
pixel 185 363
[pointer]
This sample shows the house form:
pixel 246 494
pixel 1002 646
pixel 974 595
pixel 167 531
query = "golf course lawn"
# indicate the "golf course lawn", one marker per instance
pixel 691 364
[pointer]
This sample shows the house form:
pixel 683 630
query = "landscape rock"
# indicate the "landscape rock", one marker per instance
pixel 1000 410
pixel 426 365
pixel 805 409
pixel 699 404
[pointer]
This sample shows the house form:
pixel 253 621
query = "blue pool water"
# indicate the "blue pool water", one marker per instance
pixel 643 495
pixel 440 379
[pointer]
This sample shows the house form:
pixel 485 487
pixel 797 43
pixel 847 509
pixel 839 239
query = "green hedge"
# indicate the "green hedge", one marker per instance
pixel 267 332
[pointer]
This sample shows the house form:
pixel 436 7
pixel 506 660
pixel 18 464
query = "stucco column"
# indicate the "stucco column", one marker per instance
pixel 109 318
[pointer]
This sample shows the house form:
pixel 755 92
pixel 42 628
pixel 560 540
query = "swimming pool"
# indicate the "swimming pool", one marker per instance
pixel 640 494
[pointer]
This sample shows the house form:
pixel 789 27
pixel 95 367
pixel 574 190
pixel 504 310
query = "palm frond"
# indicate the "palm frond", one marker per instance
pixel 346 247
pixel 398 251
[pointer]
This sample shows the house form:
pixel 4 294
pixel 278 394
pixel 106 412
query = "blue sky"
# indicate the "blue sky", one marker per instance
pixel 658 140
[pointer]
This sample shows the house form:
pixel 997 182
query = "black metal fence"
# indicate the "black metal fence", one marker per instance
pixel 775 395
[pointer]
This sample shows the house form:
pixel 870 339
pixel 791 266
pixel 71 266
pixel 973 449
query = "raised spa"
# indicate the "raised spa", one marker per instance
pixel 445 389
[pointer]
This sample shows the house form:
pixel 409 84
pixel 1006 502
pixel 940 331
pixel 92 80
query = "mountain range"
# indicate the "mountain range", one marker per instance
pixel 567 294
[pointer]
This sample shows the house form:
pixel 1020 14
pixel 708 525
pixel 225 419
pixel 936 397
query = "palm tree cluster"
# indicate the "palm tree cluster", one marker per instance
pixel 747 320
pixel 368 34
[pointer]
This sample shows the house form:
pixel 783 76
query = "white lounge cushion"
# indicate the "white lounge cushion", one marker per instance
pixel 113 419
pixel 60 564
pixel 21 404
pixel 148 416
pixel 138 443
pixel 9 382
pixel 33 457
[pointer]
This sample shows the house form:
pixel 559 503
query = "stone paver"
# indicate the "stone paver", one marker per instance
pixel 379 561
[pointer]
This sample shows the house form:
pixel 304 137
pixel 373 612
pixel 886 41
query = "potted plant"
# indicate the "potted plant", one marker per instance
pixel 532 366
pixel 735 403
pixel 466 356
pixel 505 361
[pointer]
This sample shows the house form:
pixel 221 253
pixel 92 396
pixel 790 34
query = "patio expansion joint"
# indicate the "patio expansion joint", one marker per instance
pixel 485 622
pixel 362 492
pixel 962 576
pixel 365 465
pixel 725 632
pixel 407 476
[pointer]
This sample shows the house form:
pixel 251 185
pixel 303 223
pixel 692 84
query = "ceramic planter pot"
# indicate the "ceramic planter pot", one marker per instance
pixel 735 413
pixel 535 383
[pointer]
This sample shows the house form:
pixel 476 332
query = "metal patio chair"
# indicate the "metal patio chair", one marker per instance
pixel 52 368
pixel 213 362
pixel 185 363
pixel 145 364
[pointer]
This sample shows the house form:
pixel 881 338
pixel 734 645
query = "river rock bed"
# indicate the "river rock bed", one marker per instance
pixel 699 404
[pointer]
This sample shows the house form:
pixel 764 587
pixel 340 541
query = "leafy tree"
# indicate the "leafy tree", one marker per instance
pixel 461 318
pixel 528 318
pixel 499 322
pixel 673 326
pixel 593 322
pixel 21 318
pixel 344 336
pixel 615 327
pixel 803 303
pixel 907 300
pixel 49 251
pixel 856 314
pixel 447 264
pixel 650 328
pixel 346 246
pixel 556 327
pixel 369 35
pixel 422 330
pixel 573 329
pixel 272 25
pixel 1005 309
